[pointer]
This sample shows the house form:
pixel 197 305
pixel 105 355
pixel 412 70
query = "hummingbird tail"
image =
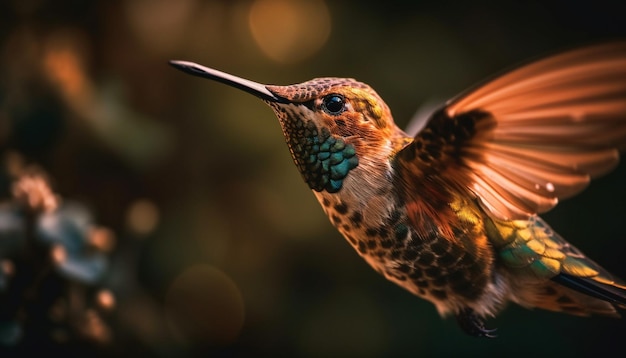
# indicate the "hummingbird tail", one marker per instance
pixel 613 293
pixel 558 297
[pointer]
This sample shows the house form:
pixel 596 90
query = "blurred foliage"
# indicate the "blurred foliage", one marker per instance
pixel 220 249
pixel 52 258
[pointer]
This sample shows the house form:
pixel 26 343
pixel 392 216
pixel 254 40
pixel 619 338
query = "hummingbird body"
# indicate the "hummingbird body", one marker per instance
pixel 429 266
pixel 369 209
pixel 450 213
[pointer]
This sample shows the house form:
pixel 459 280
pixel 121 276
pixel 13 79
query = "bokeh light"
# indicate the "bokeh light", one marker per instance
pixel 204 307
pixel 142 216
pixel 94 328
pixel 105 299
pixel 102 239
pixel 58 254
pixel 290 30
pixel 160 24
pixel 7 267
pixel 34 192
pixel 63 64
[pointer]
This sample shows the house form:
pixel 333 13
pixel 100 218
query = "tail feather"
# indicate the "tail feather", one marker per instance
pixel 611 293
pixel 559 277
pixel 557 297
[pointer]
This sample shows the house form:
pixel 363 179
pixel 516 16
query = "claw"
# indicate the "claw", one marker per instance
pixel 473 325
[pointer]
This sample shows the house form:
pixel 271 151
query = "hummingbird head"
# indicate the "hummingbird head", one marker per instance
pixel 332 126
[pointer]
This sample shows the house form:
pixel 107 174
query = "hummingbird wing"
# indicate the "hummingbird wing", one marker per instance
pixel 535 135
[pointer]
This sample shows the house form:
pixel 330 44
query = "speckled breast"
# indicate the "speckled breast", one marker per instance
pixel 432 267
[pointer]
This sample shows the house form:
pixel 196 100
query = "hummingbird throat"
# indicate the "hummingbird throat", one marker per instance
pixel 323 160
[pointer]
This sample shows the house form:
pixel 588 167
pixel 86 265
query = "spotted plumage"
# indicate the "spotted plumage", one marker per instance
pixel 450 214
pixel 323 160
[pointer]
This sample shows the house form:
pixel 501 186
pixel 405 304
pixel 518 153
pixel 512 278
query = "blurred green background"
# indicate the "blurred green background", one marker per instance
pixel 220 248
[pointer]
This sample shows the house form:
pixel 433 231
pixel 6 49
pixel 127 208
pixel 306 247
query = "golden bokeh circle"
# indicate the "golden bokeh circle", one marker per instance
pixel 288 31
pixel 204 307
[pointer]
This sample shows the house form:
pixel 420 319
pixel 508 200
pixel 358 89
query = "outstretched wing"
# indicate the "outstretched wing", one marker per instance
pixel 533 136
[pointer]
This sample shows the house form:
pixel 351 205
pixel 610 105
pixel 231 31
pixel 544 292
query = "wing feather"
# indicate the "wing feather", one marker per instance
pixel 575 69
pixel 549 127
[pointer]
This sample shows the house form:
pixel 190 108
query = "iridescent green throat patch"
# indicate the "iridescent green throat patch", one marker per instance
pixel 323 160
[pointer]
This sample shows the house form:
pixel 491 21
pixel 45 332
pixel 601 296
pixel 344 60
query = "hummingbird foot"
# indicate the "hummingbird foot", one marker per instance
pixel 473 325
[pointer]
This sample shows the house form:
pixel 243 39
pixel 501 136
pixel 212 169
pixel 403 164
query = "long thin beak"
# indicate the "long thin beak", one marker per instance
pixel 251 87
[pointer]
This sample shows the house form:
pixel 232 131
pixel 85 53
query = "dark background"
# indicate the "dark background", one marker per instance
pixel 235 257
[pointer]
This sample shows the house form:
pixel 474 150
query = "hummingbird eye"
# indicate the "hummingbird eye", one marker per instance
pixel 334 104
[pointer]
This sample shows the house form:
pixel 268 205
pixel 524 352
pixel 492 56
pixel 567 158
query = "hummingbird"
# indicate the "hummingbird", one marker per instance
pixel 451 213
